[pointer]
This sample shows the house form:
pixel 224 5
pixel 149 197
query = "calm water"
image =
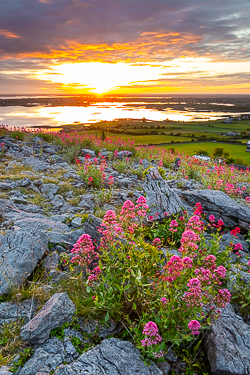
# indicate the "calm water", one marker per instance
pixel 56 116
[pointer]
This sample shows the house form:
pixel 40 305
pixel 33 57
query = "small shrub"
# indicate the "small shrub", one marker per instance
pixel 92 172
pixel 159 298
pixel 20 136
pixel 47 137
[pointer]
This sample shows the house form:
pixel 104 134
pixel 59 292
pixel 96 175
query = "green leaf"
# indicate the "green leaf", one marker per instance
pixel 197 346
pixel 107 317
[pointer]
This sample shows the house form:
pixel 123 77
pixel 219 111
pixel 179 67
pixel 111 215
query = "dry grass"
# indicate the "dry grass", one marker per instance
pixel 10 341
pixel 74 201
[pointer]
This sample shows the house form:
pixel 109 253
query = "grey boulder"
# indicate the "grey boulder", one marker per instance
pixel 4 370
pixel 24 310
pixel 58 310
pixel 160 198
pixel 113 357
pixel 50 189
pixel 219 204
pixel 86 151
pixel 36 164
pixel 20 251
pixel 228 345
pixel 46 358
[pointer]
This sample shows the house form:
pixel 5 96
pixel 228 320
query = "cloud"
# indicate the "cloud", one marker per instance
pixel 8 34
pixel 39 33
pixel 218 31
pixel 45 1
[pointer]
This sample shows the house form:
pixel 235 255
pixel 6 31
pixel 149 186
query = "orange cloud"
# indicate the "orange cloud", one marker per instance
pixel 148 46
pixel 45 1
pixel 9 34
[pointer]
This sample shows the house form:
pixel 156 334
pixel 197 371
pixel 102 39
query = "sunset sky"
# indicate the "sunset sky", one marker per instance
pixel 124 47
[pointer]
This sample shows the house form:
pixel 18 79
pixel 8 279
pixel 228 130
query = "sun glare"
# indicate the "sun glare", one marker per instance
pixel 99 78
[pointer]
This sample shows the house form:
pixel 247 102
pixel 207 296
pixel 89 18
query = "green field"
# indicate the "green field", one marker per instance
pixel 237 151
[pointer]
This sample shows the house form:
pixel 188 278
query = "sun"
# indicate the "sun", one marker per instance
pixel 100 77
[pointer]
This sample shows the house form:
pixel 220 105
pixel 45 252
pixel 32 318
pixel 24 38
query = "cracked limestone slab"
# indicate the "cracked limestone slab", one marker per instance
pixel 20 251
pixel 112 357
pixel 220 205
pixel 160 198
pixel 58 310
pixel 228 345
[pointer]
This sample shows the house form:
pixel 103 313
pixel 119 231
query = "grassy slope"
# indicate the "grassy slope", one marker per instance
pixel 235 150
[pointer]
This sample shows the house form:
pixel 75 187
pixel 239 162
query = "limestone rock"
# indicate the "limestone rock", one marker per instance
pixel 58 310
pixel 24 310
pixel 20 251
pixel 217 203
pixel 46 358
pixel 160 198
pixel 86 151
pixel 228 345
pixel 113 357
pixel 36 164
pixel 4 370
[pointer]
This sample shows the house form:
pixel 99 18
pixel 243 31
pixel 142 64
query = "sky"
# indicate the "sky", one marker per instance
pixel 118 47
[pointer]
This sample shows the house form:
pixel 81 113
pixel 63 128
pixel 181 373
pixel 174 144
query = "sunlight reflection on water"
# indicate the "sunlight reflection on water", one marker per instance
pixel 56 116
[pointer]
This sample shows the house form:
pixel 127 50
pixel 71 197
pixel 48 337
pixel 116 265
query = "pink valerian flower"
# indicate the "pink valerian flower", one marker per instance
pixel 194 326
pixel 128 210
pixel 127 216
pixel 198 210
pixel 156 242
pixel 111 180
pixel 173 268
pixel 194 295
pixel 85 251
pixel 187 262
pixel 195 224
pixel 160 164
pixel 158 355
pixel 173 225
pixel 141 206
pixel 90 179
pixel 210 261
pixel 212 218
pixel 235 231
pixel 220 224
pixel 189 236
pixel 110 228
pixel 247 198
pixel 153 337
pixel 188 245
pixel 94 275
pixel 238 246
pixel 151 218
pixel 221 272
pixel 223 298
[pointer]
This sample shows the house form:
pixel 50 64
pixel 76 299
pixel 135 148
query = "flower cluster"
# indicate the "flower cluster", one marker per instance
pixel 151 331
pixel 194 326
pixel 87 256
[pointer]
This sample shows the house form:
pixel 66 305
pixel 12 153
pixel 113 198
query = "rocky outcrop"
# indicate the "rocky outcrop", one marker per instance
pixel 217 203
pixel 228 345
pixel 20 251
pixel 22 311
pixel 160 198
pixel 58 310
pixel 112 356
